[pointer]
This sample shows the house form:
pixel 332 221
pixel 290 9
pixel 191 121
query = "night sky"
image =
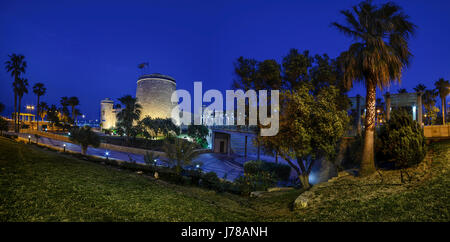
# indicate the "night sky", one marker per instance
pixel 91 49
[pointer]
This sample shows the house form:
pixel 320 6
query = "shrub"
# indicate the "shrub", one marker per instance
pixel 3 125
pixel 150 158
pixel 400 141
pixel 84 136
pixel 279 171
pixel 255 182
pixel 210 180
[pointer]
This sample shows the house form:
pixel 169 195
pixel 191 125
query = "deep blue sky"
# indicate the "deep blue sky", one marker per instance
pixel 91 49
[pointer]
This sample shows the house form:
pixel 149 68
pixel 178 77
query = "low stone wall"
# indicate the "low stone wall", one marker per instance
pixel 106 145
pixel 47 135
pixel 437 131
pixel 129 149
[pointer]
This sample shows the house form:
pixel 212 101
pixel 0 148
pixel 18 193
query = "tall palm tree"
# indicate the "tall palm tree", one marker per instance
pixel 21 88
pixel 443 88
pixel 128 115
pixel 16 66
pixel 39 89
pixel 377 58
pixel 420 88
pixel 73 102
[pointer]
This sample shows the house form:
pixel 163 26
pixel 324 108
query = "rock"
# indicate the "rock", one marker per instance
pixel 302 200
pixel 257 193
pixel 279 189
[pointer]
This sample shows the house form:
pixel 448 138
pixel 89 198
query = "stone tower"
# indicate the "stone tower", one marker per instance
pixel 154 92
pixel 108 114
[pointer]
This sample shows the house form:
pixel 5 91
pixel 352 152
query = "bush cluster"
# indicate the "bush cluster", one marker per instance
pixel 278 171
pixel 400 141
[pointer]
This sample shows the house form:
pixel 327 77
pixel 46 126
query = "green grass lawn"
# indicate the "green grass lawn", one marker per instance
pixel 42 185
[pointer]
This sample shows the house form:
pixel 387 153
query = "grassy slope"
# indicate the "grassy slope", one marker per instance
pixel 41 185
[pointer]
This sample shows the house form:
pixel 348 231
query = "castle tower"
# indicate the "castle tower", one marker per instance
pixel 108 114
pixel 154 92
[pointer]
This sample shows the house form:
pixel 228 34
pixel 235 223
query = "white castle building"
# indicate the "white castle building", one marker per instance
pixel 153 92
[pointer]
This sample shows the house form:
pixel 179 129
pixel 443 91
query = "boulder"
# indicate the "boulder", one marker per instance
pixel 302 200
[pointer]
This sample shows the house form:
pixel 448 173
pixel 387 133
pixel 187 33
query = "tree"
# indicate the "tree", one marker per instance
pixel 3 125
pixel 21 88
pixel 402 91
pixel 314 125
pixel 128 115
pixel 166 127
pixel 16 65
pixel 73 102
pixel 377 58
pixel 64 114
pixel 39 90
pixel 43 108
pixel 429 102
pixel 443 88
pixel 199 134
pixel 420 88
pixel 180 153
pixel 2 107
pixel 85 137
pixel 53 115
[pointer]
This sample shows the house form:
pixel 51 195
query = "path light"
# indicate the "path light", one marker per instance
pixel 64 145
pixel 197 166
pixel 68 133
pixel 29 139
pixel 107 154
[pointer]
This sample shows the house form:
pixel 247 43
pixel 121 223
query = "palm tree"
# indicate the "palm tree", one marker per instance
pixel 180 153
pixel 402 91
pixel 43 108
pixel 420 88
pixel 429 100
pixel 377 58
pixel 73 102
pixel 21 88
pixel 128 115
pixel 16 66
pixel 85 137
pixel 64 111
pixel 443 88
pixel 39 90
